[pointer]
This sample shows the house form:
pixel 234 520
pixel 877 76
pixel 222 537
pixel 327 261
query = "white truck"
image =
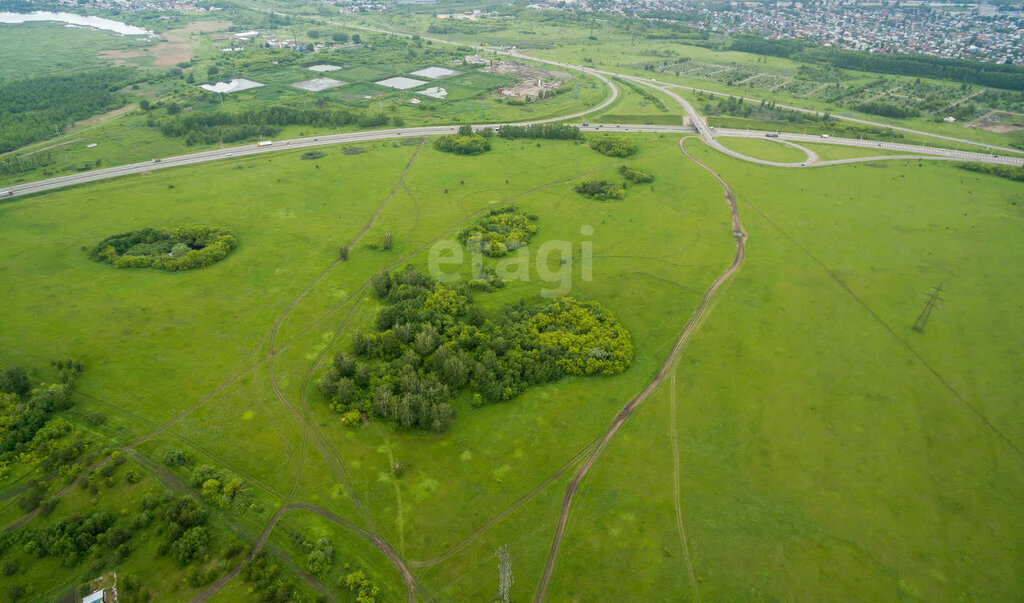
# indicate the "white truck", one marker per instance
pixel 265 143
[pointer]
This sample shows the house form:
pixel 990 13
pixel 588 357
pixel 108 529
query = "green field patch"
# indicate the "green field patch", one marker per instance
pixel 362 73
pixel 768 150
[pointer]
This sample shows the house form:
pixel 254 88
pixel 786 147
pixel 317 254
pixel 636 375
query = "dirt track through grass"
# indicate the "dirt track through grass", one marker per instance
pixel 692 325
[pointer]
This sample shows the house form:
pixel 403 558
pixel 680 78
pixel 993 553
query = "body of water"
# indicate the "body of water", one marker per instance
pixel 73 19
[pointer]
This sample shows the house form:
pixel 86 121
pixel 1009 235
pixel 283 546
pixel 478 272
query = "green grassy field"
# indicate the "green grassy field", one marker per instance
pixel 764 149
pixel 38 49
pixel 825 449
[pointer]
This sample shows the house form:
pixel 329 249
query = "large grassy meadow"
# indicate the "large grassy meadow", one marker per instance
pixel 825 449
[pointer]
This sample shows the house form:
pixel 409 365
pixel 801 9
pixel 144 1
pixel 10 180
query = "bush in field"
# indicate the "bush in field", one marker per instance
pixel 613 146
pixel 172 249
pixel 635 176
pixel 500 231
pixel 602 190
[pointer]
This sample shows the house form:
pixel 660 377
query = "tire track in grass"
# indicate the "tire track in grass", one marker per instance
pixel 341 470
pixel 412 587
pixel 677 488
pixel 692 325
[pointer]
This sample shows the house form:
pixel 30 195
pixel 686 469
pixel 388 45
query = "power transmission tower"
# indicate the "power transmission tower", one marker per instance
pixel 505 579
pixel 929 305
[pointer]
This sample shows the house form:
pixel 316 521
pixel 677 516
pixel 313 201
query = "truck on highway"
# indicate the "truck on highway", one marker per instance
pixel 772 135
pixel 7 193
pixel 264 143
pixel 824 135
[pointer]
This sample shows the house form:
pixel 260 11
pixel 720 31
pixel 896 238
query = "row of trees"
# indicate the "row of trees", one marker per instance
pixel 1006 76
pixel 1003 171
pixel 174 249
pixel 548 131
pixel 39 108
pixel 430 342
pixel 887 109
pixel 502 230
pixel 213 126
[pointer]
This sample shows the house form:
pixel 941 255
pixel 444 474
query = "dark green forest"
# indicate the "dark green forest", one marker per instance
pixel 39 108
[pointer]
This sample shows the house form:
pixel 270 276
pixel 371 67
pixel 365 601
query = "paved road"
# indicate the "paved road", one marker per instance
pixel 708 134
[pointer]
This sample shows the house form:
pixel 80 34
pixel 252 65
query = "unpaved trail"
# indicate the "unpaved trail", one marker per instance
pixel 676 490
pixel 692 325
pixel 411 586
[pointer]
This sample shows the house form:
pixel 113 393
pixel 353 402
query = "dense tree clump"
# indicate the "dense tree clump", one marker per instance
pixel 268 585
pixel 502 230
pixel 548 131
pixel 466 142
pixel 29 431
pixel 174 249
pixel 223 489
pixel 613 146
pixel 430 343
pixel 602 190
pixel 635 176
pixel 39 108
pixel 887 110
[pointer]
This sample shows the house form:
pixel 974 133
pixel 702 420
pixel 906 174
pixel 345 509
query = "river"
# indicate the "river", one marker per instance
pixel 79 20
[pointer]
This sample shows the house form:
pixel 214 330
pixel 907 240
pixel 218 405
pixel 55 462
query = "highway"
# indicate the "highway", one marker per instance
pixel 699 126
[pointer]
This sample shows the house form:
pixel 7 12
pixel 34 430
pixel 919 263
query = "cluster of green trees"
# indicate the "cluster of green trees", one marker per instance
pixel 613 146
pixel 174 249
pixel 430 342
pixel 73 538
pixel 635 176
pixel 549 131
pixel 1003 171
pixel 268 583
pixel 223 489
pixel 887 109
pixel 502 230
pixel 39 108
pixel 466 142
pixel 602 190
pixel 208 127
pixel 29 431
pixel 359 585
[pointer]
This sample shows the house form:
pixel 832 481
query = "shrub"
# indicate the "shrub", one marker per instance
pixel 635 176
pixel 601 190
pixel 313 155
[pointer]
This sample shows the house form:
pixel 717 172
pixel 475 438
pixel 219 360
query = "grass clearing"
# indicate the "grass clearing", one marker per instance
pixel 819 456
pixel 769 150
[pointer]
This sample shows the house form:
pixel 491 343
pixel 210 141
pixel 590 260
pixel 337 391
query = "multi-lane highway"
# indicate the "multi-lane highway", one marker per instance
pixel 698 126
